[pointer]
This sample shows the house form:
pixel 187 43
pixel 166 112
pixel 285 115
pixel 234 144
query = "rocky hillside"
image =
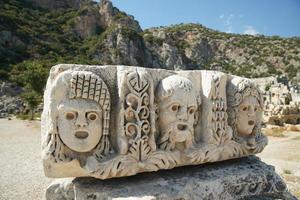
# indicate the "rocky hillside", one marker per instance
pixel 47 32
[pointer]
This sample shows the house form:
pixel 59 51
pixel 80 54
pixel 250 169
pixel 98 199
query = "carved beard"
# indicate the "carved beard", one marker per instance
pixel 176 135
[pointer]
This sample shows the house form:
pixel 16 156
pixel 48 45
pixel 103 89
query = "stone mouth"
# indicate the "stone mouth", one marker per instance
pixel 81 134
pixel 251 145
pixel 182 127
pixel 251 122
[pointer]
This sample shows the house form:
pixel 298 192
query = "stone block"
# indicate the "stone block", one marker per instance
pixel 116 121
pixel 245 179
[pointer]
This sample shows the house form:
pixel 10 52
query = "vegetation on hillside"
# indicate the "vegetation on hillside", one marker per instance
pixel 30 34
pixel 243 55
pixel 33 39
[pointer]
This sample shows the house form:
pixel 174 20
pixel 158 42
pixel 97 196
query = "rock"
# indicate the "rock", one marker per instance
pixel 281 105
pixel 245 178
pixel 111 15
pixel 171 57
pixel 9 89
pixel 88 23
pixel 3 114
pixel 106 11
pixel 10 106
pixel 10 101
pixel 60 190
pixel 200 51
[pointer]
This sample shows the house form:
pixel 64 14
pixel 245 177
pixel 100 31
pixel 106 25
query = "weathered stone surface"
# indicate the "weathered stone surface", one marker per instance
pixel 245 178
pixel 114 121
pixel 60 189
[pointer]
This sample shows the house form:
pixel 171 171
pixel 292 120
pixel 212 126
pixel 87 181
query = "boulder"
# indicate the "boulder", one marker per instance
pixel 244 178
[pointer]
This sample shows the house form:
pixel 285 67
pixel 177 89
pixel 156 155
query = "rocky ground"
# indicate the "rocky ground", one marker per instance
pixel 22 174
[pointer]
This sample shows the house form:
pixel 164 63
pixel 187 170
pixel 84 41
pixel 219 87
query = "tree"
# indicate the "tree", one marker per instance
pixel 32 99
pixel 32 75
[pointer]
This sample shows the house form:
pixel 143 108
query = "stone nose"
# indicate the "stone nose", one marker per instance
pixel 251 111
pixel 81 121
pixel 182 114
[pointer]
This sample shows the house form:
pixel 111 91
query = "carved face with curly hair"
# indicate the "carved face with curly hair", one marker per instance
pixel 178 105
pixel 247 115
pixel 245 106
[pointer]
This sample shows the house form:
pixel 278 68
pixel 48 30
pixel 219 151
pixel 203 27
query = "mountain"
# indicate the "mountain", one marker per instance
pixel 47 32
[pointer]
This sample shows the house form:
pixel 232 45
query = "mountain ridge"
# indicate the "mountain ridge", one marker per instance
pixel 99 33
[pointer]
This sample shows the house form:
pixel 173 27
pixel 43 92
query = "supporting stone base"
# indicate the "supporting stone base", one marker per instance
pixel 244 178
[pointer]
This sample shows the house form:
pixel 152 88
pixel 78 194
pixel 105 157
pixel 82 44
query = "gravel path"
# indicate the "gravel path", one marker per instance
pixel 21 175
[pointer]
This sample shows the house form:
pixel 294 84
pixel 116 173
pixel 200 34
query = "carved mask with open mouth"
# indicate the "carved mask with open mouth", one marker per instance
pixel 177 113
pixel 247 115
pixel 80 124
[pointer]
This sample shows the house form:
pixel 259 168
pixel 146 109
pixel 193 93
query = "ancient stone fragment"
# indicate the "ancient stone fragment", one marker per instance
pixel 114 121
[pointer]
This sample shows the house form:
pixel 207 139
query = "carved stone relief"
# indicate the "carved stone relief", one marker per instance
pixel 162 120
pixel 77 118
pixel 138 126
pixel 177 113
pixel 245 103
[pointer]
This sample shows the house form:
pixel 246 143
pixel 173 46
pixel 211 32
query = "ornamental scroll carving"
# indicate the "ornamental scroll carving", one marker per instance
pixel 114 121
pixel 139 120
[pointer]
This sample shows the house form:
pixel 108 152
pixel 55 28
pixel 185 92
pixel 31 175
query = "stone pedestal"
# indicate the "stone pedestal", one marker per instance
pixel 244 178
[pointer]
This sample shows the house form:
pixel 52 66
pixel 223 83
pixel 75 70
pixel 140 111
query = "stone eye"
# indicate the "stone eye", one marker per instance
pixel 92 116
pixel 175 107
pixel 192 110
pixel 70 116
pixel 245 108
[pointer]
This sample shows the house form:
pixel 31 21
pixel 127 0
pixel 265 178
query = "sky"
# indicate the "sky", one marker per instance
pixel 267 17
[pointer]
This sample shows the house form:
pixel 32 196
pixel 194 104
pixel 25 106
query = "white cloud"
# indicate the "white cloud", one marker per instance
pixel 227 21
pixel 250 30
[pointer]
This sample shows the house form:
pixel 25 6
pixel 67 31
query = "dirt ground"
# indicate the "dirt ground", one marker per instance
pixel 22 177
pixel 284 153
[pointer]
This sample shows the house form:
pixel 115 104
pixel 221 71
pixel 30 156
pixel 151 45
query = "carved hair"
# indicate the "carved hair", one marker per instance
pixel 168 85
pixel 84 85
pixel 166 89
pixel 238 89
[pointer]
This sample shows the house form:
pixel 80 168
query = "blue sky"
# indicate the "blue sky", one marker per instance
pixel 268 17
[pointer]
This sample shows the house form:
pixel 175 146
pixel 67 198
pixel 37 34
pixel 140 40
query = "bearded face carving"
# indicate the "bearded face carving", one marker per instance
pixel 177 112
